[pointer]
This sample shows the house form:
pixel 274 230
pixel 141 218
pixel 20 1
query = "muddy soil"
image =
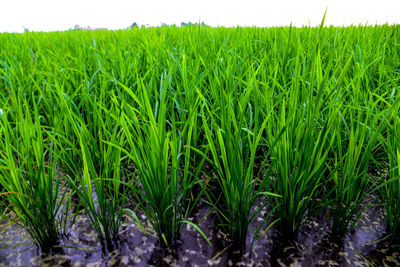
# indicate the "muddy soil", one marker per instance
pixel 312 246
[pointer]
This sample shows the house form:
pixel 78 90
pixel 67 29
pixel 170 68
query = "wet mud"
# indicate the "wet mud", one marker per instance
pixel 312 246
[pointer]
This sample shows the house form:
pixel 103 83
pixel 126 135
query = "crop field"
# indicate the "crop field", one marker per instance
pixel 201 146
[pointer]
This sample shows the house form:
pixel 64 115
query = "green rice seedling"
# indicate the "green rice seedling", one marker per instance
pixel 182 92
pixel 298 161
pixel 350 171
pixel 69 144
pixel 164 180
pixel 233 124
pixel 234 129
pixel 99 184
pixel 299 138
pixel 33 187
pixel 390 188
pixel 1 187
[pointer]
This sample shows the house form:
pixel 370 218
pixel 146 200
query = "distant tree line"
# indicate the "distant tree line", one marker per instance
pixel 183 24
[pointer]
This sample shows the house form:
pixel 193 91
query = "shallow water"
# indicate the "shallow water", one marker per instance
pixel 311 248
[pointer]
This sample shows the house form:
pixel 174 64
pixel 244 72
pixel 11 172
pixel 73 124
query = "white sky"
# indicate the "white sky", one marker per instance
pixel 52 15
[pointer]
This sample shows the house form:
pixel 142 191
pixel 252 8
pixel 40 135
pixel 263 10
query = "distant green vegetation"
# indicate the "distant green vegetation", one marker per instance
pixel 295 119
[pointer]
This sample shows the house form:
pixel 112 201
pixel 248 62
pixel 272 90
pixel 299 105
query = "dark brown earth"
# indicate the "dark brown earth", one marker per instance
pixel 311 248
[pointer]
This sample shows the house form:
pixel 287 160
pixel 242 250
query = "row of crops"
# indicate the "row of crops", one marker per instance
pixel 301 120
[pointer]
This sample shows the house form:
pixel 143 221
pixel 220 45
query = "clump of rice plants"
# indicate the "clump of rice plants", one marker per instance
pixel 32 185
pixel 233 134
pixel 299 140
pixel 350 172
pixel 298 161
pixel 390 188
pixel 165 180
pixel 100 183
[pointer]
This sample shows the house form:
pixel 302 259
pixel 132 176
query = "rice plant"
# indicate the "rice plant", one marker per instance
pixel 100 183
pixel 299 140
pixel 165 180
pixel 32 184
pixel 390 188
pixel 350 171
pixel 233 134
pixel 298 161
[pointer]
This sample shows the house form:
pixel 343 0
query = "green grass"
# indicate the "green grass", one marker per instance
pixel 162 118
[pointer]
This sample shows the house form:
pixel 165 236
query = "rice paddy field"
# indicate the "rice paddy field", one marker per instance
pixel 200 146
